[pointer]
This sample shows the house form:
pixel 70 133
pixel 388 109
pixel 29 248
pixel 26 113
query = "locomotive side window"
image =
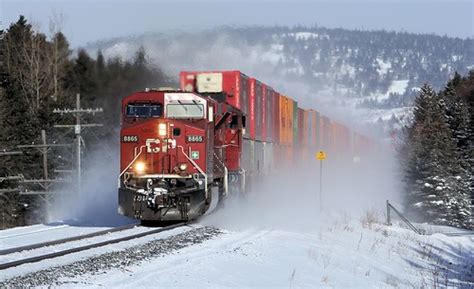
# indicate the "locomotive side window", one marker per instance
pixel 144 110
pixel 234 123
pixel 184 110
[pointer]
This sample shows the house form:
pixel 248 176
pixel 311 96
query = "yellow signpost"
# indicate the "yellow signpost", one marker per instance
pixel 321 155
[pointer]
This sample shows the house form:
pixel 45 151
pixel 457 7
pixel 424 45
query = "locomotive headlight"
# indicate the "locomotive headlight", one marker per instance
pixel 183 167
pixel 140 167
pixel 162 129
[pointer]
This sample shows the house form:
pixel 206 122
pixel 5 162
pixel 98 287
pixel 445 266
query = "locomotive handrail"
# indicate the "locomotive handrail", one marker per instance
pixel 226 180
pixel 226 174
pixel 131 163
pixel 198 168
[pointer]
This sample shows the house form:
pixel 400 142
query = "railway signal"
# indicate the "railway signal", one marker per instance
pixel 321 155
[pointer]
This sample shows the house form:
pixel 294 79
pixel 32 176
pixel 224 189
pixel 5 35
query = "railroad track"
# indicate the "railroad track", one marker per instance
pixel 34 232
pixel 65 240
pixel 79 248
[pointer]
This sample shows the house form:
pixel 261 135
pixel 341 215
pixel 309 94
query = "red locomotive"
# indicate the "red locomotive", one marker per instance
pixel 184 150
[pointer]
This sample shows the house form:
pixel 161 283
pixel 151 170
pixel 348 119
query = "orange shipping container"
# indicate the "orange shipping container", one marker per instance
pixel 306 128
pixel 341 137
pixel 286 120
pixel 303 125
pixel 325 133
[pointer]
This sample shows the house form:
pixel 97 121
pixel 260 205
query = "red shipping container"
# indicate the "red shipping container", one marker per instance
pixel 255 109
pixel 264 111
pixel 225 86
pixel 276 117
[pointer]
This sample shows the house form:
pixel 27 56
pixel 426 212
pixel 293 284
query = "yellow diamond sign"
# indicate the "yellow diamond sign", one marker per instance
pixel 321 155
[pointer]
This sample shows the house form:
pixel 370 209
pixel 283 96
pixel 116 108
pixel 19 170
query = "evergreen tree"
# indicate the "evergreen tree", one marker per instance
pixel 436 180
pixel 458 96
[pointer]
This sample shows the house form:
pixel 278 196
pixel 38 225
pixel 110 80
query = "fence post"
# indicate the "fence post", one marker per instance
pixel 388 214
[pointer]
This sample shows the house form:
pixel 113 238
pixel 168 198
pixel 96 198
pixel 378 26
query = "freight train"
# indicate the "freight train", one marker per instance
pixel 182 151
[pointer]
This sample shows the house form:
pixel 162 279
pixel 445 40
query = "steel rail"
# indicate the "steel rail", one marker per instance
pixel 33 232
pixel 65 240
pixel 87 247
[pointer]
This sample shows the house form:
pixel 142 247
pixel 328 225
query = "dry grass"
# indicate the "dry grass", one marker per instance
pixel 369 218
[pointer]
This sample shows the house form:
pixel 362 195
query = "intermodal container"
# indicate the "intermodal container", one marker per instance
pixel 301 127
pixel 362 145
pixel 341 137
pixel 317 130
pixel 267 113
pixel 295 122
pixel 325 133
pixel 286 120
pixel 225 86
pixel 312 129
pixel 305 128
pixel 311 125
pixel 264 112
pixel 282 119
pixel 255 109
pixel 276 119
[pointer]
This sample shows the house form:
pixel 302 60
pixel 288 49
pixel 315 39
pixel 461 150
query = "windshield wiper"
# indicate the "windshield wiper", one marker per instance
pixel 197 104
pixel 183 106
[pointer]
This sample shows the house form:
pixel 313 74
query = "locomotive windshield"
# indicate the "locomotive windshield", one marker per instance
pixel 185 110
pixel 144 110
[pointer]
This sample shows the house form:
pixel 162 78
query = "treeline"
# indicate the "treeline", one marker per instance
pixel 41 73
pixel 438 154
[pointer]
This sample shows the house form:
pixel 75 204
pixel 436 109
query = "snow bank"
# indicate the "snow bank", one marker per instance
pixel 343 253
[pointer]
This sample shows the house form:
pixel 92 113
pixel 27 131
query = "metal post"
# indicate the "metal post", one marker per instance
pixel 77 130
pixel 388 214
pixel 45 156
pixel 320 186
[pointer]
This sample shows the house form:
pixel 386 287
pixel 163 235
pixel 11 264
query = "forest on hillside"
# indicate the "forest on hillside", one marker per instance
pixel 357 64
pixel 40 73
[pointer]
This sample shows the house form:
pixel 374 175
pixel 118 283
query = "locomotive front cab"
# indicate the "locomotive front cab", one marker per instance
pixel 166 138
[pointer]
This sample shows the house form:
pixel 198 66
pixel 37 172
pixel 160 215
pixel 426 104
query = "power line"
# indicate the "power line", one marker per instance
pixel 78 111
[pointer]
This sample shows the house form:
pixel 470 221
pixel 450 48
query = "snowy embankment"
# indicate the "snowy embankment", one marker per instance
pixel 340 254
pixel 337 253
pixel 274 238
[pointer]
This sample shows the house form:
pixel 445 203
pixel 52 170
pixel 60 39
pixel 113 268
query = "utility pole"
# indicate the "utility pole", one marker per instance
pixel 78 111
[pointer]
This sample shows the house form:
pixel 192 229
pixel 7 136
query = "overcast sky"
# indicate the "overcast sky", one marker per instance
pixel 87 21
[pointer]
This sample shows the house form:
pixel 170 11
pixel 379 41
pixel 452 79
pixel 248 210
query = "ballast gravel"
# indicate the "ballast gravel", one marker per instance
pixel 113 260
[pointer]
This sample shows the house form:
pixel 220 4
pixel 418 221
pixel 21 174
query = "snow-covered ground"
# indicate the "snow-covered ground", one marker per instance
pixel 339 254
pixel 276 237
